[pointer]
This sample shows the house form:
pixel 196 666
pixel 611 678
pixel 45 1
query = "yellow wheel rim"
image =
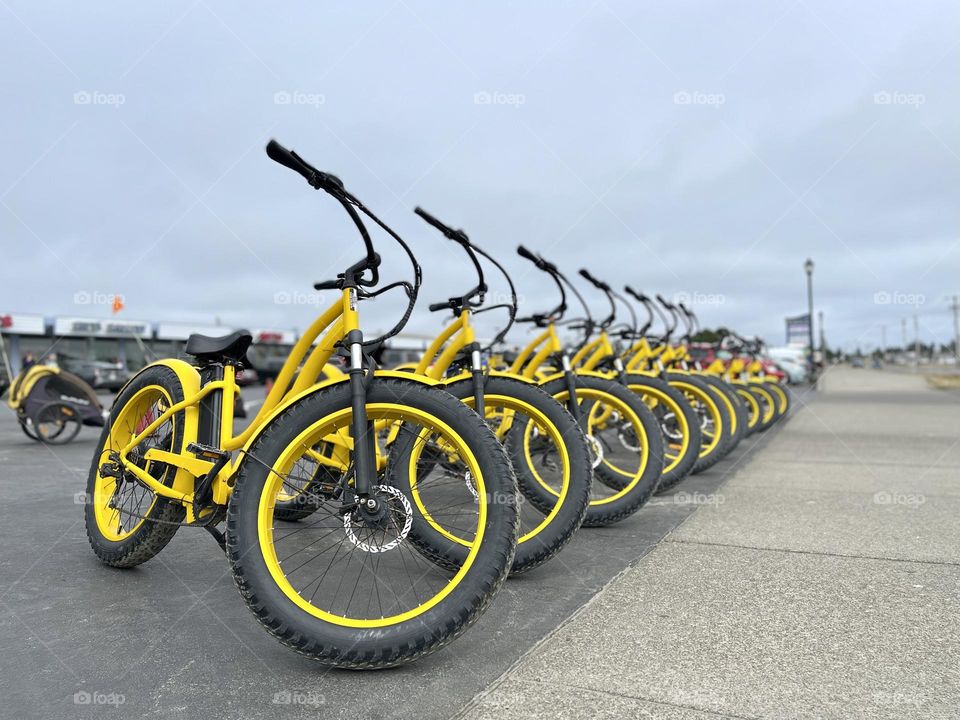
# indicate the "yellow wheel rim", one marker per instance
pixel 713 413
pixel 650 393
pixel 132 416
pixel 315 433
pixel 754 407
pixel 506 407
pixel 604 411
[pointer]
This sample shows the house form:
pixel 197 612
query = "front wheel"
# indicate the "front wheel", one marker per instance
pixel 715 419
pixel 678 422
pixel 626 444
pixel 550 458
pixel 347 586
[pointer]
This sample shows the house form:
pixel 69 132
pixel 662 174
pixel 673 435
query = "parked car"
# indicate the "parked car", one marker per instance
pixel 856 362
pixel 796 372
pixel 99 374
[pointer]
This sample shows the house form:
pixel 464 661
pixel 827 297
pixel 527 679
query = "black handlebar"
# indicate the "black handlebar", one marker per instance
pixel 353 276
pixel 456 235
pixel 563 284
pixel 317 179
pixel 541 319
pixel 602 286
pixel 599 284
pixel 474 297
pixel 527 255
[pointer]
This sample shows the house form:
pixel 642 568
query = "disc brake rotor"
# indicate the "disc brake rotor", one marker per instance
pixel 397 503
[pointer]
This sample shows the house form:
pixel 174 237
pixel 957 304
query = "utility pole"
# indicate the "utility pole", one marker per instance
pixel 916 342
pixel 883 342
pixel 823 344
pixel 808 268
pixel 955 306
pixel 903 337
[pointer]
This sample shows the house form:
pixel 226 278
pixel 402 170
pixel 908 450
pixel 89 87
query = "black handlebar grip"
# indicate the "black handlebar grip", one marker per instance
pixel 456 235
pixel 426 216
pixel 430 219
pixel 524 253
pixel 436 307
pixel 316 178
pixel 327 285
pixel 278 153
pixel 599 284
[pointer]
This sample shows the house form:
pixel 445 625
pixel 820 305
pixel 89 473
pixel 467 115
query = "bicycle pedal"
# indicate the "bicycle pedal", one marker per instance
pixel 207 451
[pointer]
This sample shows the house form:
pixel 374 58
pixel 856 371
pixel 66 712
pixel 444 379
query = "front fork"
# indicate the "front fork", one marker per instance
pixel 476 368
pixel 362 430
pixel 570 377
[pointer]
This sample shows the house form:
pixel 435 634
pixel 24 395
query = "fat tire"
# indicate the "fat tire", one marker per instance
pixel 336 645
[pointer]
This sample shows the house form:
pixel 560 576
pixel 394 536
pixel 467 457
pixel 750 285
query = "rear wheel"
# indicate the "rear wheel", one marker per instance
pixel 347 587
pixel 127 524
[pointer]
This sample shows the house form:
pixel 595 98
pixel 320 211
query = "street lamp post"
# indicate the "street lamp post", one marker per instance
pixel 808 267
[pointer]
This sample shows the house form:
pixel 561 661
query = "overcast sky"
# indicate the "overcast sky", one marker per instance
pixel 697 149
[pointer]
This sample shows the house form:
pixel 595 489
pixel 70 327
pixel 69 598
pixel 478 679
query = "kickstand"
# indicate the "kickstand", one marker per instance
pixel 218 536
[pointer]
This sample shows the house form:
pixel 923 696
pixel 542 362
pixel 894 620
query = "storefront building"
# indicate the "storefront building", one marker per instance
pixel 128 343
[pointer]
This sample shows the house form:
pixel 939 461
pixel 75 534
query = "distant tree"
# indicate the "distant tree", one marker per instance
pixel 707 335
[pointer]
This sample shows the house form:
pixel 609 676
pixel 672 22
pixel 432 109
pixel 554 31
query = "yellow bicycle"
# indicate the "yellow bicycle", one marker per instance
pixel 625 439
pixel 546 446
pixel 716 408
pixel 675 414
pixel 341 581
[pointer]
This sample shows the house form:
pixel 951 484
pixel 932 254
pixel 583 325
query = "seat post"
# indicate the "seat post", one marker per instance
pixel 211 407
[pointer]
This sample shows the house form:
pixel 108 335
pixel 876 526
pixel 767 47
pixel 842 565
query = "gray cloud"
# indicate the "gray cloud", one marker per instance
pixel 699 148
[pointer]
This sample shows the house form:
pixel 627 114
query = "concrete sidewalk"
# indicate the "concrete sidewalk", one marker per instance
pixel 821 581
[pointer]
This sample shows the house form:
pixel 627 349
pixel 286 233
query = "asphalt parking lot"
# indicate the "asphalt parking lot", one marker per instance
pixel 174 636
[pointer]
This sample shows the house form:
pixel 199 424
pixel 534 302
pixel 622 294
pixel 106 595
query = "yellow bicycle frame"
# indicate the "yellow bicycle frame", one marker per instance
pixel 333 325
pixel 528 363
pixel 438 358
